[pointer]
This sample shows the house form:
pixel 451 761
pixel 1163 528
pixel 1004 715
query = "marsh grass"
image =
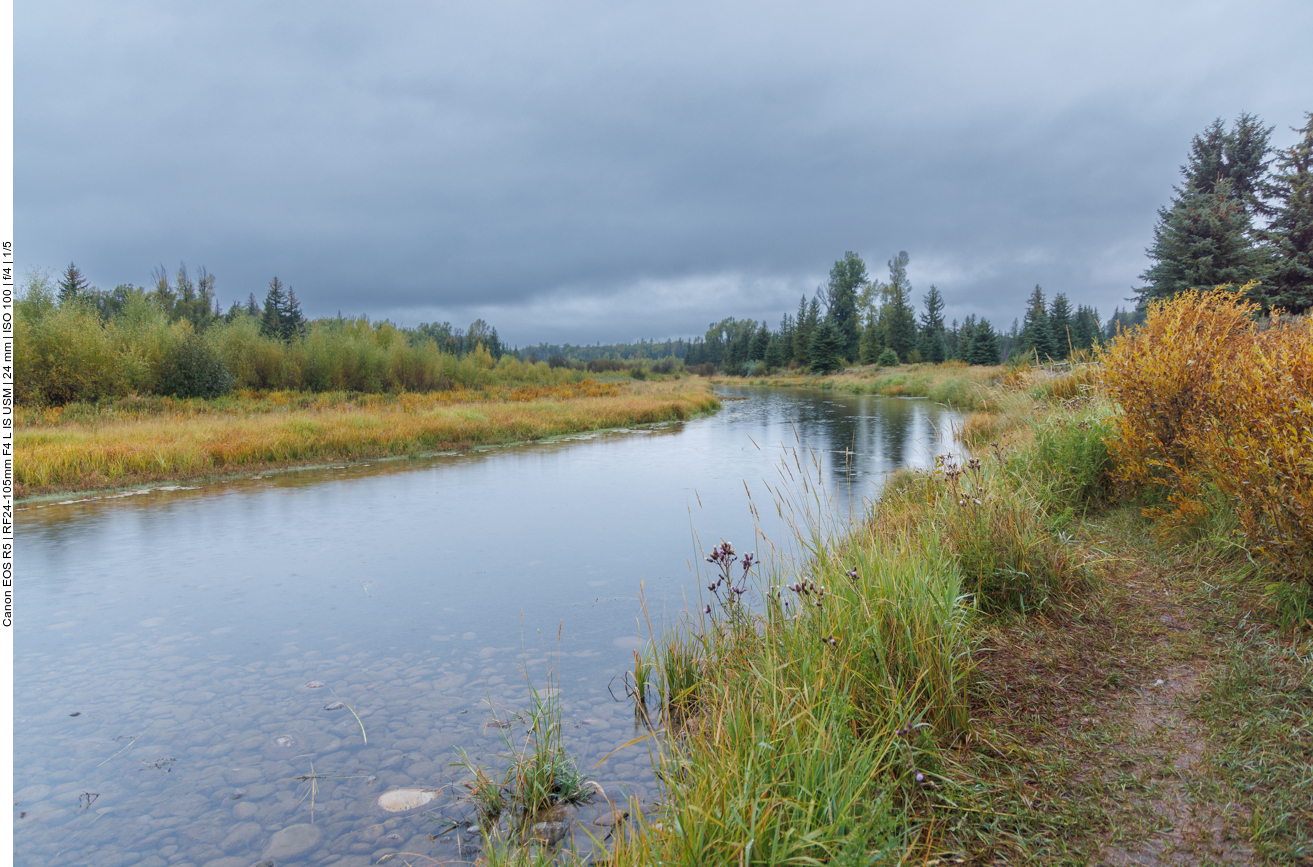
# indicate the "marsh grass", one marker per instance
pixel 82 448
pixel 951 383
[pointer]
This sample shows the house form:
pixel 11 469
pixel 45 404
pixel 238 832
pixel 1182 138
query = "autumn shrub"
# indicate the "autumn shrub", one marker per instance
pixel 1212 401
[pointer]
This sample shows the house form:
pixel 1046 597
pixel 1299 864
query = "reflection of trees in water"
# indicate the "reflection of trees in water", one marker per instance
pixel 865 437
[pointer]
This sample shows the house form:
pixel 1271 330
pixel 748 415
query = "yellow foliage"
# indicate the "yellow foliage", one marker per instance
pixel 1212 398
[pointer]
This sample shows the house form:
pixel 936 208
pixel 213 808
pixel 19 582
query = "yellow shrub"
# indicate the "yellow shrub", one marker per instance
pixel 1211 399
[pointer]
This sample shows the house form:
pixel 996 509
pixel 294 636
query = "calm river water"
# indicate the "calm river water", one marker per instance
pixel 161 711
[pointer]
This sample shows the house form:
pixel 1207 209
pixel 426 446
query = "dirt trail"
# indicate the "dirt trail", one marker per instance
pixel 1097 711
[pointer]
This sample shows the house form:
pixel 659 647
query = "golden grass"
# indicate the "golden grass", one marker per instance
pixel 84 448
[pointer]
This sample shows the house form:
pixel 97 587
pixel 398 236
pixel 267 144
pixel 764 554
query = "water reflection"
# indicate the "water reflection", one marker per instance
pixel 181 626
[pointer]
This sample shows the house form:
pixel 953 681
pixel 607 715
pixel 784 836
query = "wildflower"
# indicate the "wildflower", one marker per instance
pixel 706 610
pixel 920 777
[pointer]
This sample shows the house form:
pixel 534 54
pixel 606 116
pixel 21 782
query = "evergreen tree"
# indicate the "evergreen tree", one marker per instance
pixel 73 285
pixel 1206 236
pixel 1201 242
pixel 1060 323
pixel 824 348
pixel 275 302
pixel 872 341
pixel 774 357
pixel 932 327
pixel 1036 338
pixel 887 358
pixel 1290 234
pixel 253 307
pixel 1085 329
pixel 847 278
pixel 984 345
pixel 899 318
pixel 760 343
pixel 965 335
pixel 785 339
pixel 293 322
pixel 802 334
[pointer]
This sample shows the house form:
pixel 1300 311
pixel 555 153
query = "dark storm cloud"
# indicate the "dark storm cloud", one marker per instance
pixel 610 171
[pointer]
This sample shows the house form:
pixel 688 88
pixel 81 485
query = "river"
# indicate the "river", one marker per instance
pixel 161 708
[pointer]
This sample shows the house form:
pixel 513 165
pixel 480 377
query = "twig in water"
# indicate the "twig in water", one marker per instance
pixel 363 736
pixel 129 746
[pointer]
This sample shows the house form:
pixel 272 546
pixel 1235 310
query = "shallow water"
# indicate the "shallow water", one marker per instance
pixel 161 708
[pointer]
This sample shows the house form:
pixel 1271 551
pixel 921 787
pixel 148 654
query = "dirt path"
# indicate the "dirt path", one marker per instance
pixel 1090 720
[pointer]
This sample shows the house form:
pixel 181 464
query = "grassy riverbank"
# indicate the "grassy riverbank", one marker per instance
pixel 141 440
pixel 1036 656
pixel 952 383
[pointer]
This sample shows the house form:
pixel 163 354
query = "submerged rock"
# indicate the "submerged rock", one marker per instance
pixel 293 840
pixel 400 800
pixel 315 684
pixel 335 705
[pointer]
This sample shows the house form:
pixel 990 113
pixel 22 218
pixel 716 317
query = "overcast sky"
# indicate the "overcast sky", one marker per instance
pixel 611 171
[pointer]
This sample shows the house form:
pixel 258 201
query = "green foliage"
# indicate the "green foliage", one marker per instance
pixel 192 368
pixel 984 345
pixel 1290 233
pixel 64 353
pixel 1036 340
pixel 824 348
pixel 73 285
pixel 1202 241
pixel 1068 466
pixel 899 318
pixel 931 342
pixel 282 318
pixel 888 358
pixel 847 278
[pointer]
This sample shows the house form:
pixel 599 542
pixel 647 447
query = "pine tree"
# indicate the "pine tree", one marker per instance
pixel 984 345
pixel 964 337
pixel 275 303
pixel 785 339
pixel 253 307
pixel 847 278
pixel 1206 236
pixel 774 356
pixel 824 348
pixel 1201 242
pixel 1036 338
pixel 293 322
pixel 1290 234
pixel 802 335
pixel 1060 323
pixel 872 341
pixel 931 343
pixel 73 285
pixel 1085 329
pixel 899 318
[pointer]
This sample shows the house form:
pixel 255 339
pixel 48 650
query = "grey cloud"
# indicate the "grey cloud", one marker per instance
pixel 543 163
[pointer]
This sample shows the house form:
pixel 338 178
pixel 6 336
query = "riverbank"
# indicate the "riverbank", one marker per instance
pixel 1021 657
pixel 128 442
pixel 952 383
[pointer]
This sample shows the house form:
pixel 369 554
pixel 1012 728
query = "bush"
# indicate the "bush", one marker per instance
pixel 192 368
pixel 638 372
pixel 887 358
pixel 1210 399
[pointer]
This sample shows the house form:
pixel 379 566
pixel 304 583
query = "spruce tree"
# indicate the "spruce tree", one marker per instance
pixel 275 303
pixel 931 343
pixel 984 345
pixel 1290 234
pixel 72 285
pixel 1036 340
pixel 802 335
pixel 293 323
pixel 1060 323
pixel 899 318
pixel 1206 236
pixel 872 341
pixel 1201 242
pixel 847 278
pixel 824 348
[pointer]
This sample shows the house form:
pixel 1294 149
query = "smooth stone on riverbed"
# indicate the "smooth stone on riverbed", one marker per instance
pixel 293 840
pixel 400 800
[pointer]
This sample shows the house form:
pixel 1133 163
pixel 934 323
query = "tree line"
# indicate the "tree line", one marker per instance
pixel 853 319
pixel 1243 215
pixel 81 343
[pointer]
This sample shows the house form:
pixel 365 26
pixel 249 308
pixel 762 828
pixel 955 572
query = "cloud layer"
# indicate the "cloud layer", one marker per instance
pixel 608 171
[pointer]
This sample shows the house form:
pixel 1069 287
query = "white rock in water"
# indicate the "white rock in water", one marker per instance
pixel 400 800
pixel 293 840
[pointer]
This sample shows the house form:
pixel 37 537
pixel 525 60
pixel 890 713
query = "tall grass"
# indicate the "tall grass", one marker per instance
pixel 952 383
pixel 93 447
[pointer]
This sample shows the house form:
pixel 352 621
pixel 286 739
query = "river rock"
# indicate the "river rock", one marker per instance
pixel 400 800
pixel 241 836
pixel 292 840
pixel 245 810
